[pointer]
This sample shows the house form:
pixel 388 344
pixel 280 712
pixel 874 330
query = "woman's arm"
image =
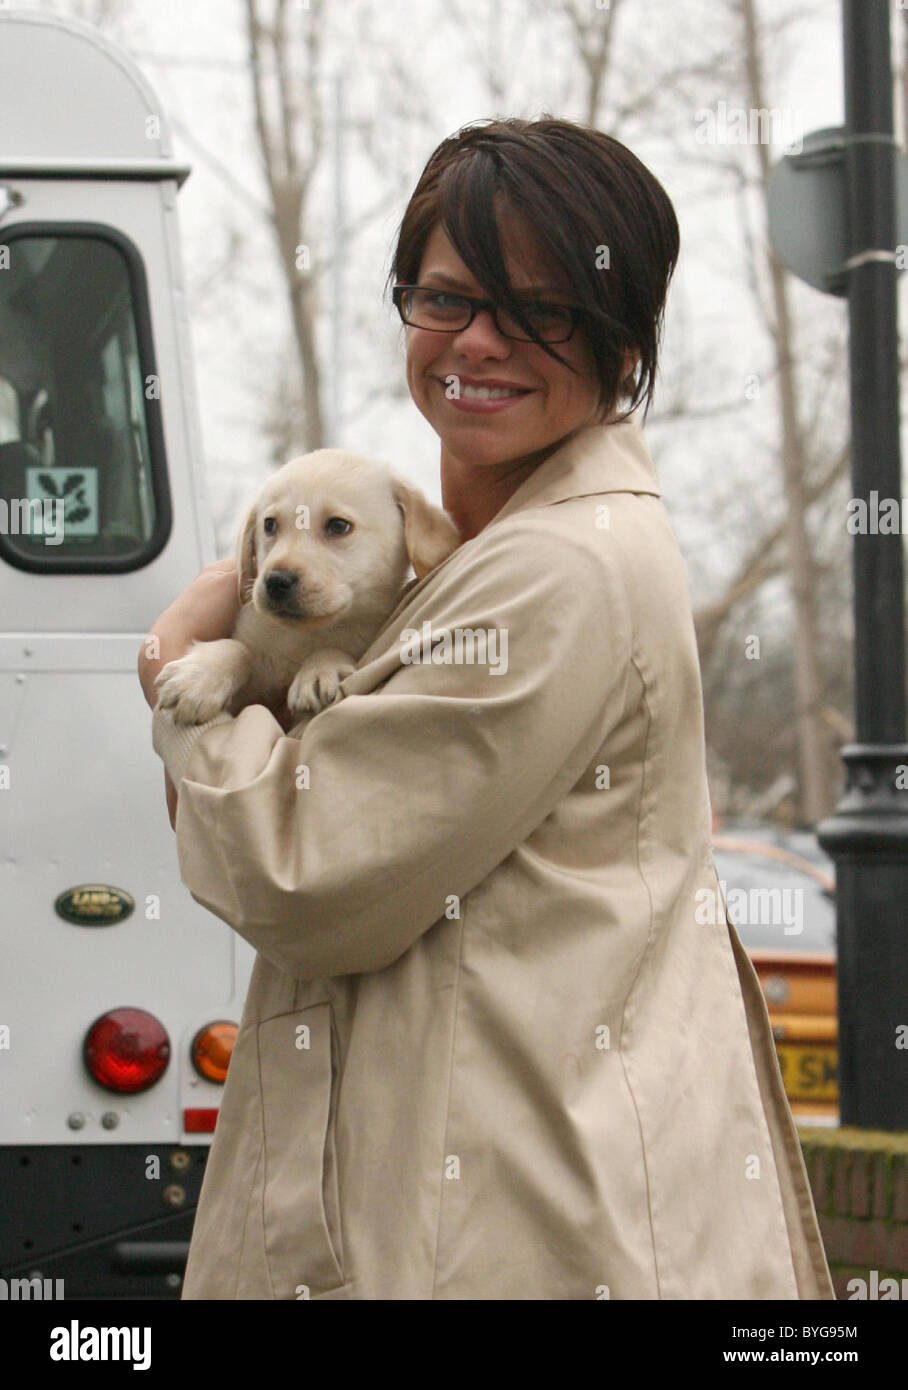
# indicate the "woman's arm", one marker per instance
pixel 331 852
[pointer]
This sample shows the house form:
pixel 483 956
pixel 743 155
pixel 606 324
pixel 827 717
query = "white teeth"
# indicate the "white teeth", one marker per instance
pixel 487 393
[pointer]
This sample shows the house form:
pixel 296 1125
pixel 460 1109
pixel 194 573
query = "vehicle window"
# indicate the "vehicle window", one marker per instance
pixel 76 464
pixel 9 412
pixel 774 907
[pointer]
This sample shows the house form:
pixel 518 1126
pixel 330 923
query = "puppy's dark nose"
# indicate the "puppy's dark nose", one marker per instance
pixel 280 584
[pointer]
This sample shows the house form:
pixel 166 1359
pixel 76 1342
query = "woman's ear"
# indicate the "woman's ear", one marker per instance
pixel 246 569
pixel 628 368
pixel 429 533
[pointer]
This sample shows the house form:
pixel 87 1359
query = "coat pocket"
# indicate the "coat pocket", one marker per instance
pixel 301 1214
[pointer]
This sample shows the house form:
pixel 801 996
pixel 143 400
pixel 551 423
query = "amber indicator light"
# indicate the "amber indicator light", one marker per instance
pixel 211 1049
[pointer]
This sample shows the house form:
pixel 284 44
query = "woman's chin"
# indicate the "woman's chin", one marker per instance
pixel 481 442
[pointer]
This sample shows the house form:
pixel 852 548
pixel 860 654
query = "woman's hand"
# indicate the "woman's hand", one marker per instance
pixel 204 612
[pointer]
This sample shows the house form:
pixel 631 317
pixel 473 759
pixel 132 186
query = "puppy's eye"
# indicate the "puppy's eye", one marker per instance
pixel 337 526
pixel 269 525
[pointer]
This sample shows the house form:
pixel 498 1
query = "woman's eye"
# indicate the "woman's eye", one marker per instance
pixel 543 315
pixel 337 526
pixel 269 525
pixel 439 303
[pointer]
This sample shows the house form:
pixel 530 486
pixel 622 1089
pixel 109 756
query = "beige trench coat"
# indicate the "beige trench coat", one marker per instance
pixel 491 1048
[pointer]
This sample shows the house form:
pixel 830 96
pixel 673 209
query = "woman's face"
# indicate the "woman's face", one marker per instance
pixel 554 401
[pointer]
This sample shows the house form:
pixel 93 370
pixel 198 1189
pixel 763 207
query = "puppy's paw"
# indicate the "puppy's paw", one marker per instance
pixel 317 683
pixel 192 690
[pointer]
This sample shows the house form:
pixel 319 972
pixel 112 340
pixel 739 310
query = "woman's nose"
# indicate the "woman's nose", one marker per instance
pixel 482 337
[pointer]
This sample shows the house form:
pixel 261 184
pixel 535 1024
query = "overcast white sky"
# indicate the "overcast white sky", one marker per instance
pixel 193 53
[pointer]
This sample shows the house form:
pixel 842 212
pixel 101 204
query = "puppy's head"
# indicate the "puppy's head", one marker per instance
pixel 333 533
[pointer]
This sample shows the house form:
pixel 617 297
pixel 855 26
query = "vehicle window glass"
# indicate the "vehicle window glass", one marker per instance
pixel 76 464
pixel 775 907
pixel 9 412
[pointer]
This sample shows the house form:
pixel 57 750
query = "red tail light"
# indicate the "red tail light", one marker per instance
pixel 126 1050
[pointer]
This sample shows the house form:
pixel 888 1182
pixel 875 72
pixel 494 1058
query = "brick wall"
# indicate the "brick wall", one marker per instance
pixel 859 1179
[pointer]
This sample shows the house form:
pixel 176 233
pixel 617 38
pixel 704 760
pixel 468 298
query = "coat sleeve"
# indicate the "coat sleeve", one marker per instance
pixel 333 851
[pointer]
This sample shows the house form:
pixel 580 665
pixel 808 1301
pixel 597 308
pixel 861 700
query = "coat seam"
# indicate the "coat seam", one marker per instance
pixel 245 1241
pixel 645 701
pixel 262 1160
pixel 218 842
pixel 453 1048
pixel 637 972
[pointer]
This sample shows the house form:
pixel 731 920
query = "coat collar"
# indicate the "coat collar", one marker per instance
pixel 598 458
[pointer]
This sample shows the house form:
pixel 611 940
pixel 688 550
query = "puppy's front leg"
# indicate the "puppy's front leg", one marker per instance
pixel 317 683
pixel 202 684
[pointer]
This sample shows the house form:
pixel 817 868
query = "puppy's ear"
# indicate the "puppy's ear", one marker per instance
pixel 429 533
pixel 246 569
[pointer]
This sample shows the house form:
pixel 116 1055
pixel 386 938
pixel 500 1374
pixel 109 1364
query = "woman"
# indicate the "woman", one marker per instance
pixel 491 1047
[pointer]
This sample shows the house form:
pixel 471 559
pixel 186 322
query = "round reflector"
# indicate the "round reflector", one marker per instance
pixel 211 1049
pixel 126 1050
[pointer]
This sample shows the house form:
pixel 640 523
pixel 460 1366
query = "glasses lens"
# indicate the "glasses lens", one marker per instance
pixel 553 322
pixel 434 309
pixel 447 312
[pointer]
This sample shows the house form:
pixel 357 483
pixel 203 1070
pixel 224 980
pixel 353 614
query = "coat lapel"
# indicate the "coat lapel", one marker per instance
pixel 597 459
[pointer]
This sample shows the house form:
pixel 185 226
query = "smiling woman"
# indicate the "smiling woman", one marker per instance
pixel 554 247
pixel 491 1048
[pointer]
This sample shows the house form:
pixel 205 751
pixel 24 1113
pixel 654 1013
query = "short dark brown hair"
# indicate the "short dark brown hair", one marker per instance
pixel 583 194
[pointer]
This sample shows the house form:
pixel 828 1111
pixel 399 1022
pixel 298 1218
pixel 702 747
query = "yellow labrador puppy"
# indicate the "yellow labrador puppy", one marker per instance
pixel 321 558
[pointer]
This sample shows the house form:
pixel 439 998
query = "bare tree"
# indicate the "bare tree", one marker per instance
pixel 594 30
pixel 290 131
pixel 808 680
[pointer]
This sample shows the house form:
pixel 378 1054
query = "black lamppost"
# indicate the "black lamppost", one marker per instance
pixel 868 834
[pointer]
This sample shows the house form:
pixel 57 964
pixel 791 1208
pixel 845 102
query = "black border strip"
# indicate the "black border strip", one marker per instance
pixel 138 284
pixel 142 169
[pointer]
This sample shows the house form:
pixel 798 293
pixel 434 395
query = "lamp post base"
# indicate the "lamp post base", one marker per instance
pixel 867 837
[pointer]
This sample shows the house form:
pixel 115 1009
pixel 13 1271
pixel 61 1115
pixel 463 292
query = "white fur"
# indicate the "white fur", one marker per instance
pixel 346 586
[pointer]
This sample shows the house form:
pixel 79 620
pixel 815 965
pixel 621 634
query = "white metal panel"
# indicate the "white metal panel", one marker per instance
pixel 68 92
pixel 65 652
pixel 85 804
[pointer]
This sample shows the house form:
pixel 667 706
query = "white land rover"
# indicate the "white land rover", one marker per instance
pixel 119 995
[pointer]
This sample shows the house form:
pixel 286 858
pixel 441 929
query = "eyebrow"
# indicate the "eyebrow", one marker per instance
pixel 519 289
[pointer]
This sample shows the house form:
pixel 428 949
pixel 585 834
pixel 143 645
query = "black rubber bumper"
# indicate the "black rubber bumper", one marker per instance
pixel 109 1220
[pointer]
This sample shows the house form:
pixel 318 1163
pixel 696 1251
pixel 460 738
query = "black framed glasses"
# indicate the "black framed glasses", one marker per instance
pixel 444 311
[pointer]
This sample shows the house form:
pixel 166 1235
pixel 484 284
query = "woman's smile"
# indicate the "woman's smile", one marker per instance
pixel 484 397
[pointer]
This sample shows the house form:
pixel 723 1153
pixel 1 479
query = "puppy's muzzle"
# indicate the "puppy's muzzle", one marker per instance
pixel 279 584
pixel 282 591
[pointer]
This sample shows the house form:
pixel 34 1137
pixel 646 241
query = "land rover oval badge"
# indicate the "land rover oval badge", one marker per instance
pixel 94 905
